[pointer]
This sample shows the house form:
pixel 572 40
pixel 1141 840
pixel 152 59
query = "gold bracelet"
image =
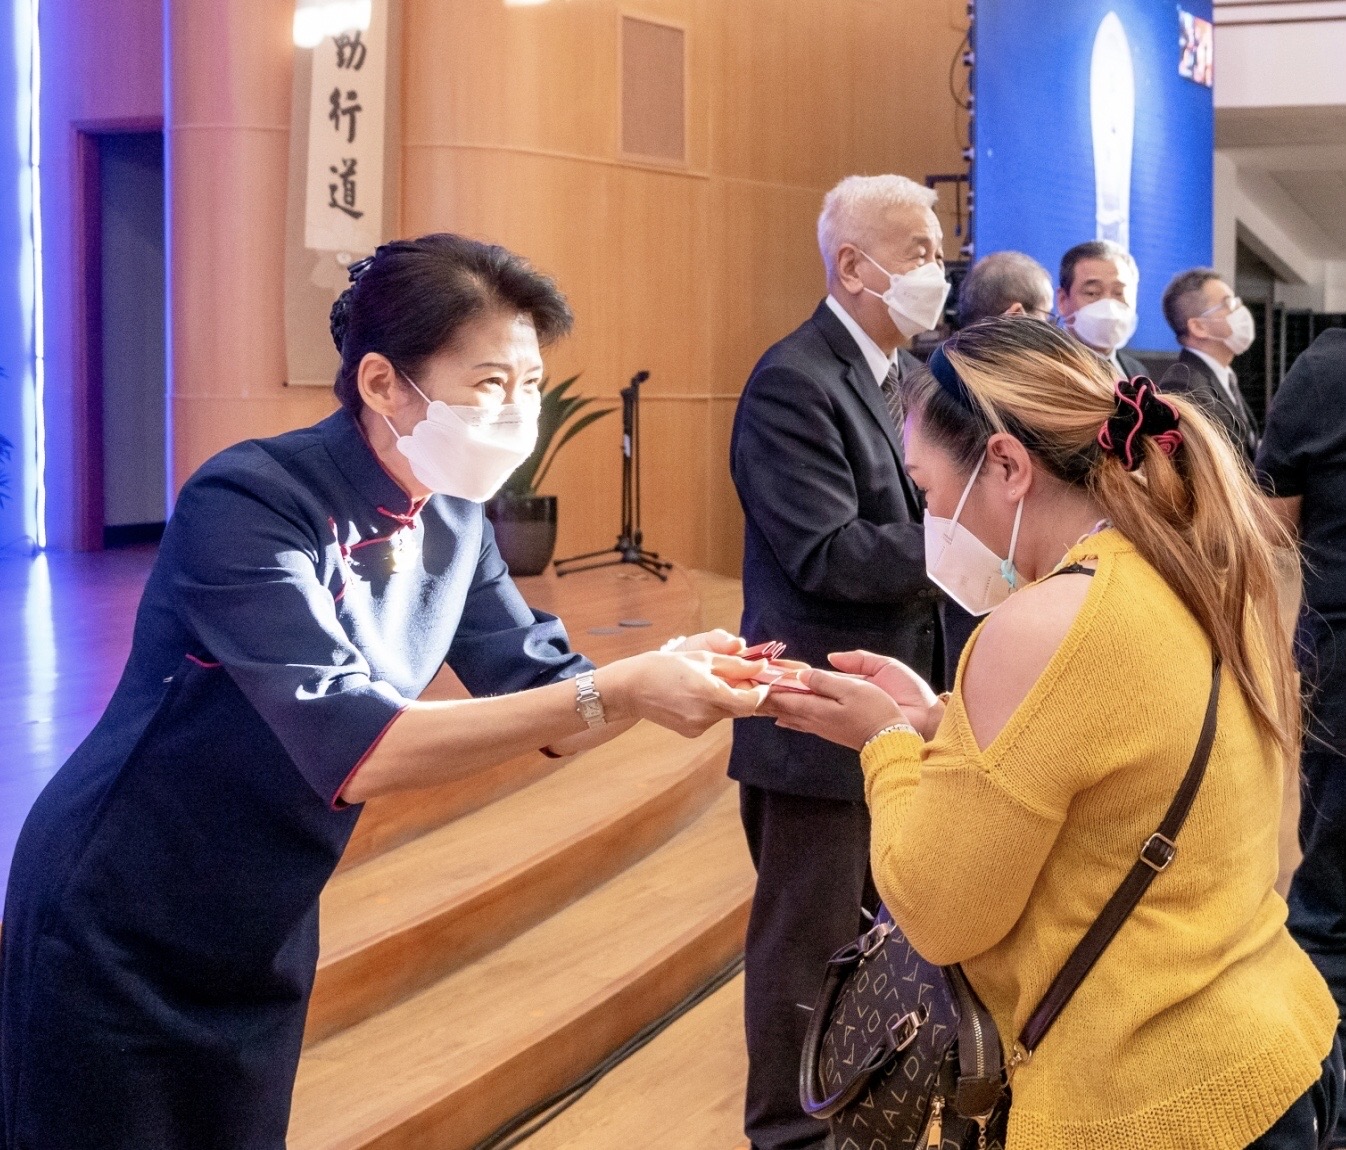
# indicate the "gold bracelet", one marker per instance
pixel 905 728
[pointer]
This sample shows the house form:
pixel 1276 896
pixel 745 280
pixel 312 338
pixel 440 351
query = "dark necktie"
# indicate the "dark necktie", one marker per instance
pixel 892 398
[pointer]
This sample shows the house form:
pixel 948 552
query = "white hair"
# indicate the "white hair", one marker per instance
pixel 854 210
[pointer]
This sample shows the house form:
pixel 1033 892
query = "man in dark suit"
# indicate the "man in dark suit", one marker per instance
pixel 1302 465
pixel 1096 299
pixel 1213 326
pixel 834 559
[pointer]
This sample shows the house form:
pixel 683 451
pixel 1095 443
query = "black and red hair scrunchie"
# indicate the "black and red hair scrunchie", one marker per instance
pixel 1142 413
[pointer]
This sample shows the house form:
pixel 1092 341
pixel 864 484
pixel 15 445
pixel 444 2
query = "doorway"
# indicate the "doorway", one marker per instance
pixel 120 447
pixel 131 195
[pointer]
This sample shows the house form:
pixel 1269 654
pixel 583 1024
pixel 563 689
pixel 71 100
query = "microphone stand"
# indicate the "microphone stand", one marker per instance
pixel 630 546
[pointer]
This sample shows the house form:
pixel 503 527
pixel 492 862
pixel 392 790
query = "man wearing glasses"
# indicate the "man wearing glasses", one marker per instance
pixel 1213 326
pixel 1005 283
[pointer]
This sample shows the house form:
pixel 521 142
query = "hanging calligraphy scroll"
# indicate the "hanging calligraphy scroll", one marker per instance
pixel 345 148
pixel 347 113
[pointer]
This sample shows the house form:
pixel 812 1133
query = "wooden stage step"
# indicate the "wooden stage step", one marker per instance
pixel 404 919
pixel 684 1091
pixel 442 1069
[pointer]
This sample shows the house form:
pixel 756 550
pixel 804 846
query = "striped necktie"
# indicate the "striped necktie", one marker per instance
pixel 892 397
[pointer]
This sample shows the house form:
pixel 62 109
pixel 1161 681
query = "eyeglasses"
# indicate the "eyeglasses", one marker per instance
pixel 1233 303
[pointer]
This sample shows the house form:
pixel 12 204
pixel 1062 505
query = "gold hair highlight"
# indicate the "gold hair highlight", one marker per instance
pixel 1196 517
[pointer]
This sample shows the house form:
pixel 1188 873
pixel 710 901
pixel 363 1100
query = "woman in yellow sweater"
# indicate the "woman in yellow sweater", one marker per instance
pixel 1004 819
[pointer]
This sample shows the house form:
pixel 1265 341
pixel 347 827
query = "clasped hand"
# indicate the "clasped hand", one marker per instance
pixel 865 694
pixel 688 686
pixel 694 683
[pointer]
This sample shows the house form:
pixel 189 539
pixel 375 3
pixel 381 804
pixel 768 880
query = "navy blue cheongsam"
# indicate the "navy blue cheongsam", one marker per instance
pixel 161 924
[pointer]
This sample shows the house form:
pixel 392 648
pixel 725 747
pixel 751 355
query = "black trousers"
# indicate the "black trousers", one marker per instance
pixel 1318 889
pixel 812 860
pixel 1308 1124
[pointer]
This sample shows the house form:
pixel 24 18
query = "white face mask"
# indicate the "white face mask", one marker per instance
pixel 915 299
pixel 1105 324
pixel 468 451
pixel 1242 328
pixel 962 566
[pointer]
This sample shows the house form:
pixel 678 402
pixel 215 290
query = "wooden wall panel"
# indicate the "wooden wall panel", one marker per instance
pixel 510 132
pixel 765 265
pixel 689 271
pixel 228 130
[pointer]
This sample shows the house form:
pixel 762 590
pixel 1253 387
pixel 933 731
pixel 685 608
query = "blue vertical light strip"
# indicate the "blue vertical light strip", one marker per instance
pixel 39 316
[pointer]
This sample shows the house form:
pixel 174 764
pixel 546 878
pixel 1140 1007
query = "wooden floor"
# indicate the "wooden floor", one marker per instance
pixel 682 1092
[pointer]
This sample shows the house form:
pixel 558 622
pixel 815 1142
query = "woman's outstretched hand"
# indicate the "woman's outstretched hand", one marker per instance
pixel 871 692
pixel 718 642
pixel 685 691
pixel 921 706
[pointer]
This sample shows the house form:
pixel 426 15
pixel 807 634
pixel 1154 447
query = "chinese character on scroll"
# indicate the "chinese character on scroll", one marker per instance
pixel 347 113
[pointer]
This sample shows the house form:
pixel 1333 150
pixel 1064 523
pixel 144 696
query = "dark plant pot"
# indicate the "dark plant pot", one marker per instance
pixel 525 531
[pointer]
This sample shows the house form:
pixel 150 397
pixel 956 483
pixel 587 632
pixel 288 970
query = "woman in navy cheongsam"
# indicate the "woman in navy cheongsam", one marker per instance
pixel 161 923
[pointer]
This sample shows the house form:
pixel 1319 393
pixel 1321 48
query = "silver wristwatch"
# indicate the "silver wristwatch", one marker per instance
pixel 588 702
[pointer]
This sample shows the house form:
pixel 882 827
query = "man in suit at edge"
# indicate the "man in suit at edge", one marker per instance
pixel 834 559
pixel 1213 326
pixel 1096 299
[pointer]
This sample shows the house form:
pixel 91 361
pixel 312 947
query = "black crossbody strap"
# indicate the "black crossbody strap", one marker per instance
pixel 1155 857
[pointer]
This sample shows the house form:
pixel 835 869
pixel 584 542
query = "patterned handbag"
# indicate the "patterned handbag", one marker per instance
pixel 901 1054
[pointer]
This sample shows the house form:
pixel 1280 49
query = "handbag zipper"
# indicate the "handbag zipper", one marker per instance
pixel 981 1044
pixel 934 1133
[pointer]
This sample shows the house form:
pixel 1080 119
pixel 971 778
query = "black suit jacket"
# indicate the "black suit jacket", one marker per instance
pixel 1130 364
pixel 1198 382
pixel 834 551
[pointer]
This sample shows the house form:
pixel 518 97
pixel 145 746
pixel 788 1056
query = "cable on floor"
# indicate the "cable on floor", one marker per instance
pixel 523 1126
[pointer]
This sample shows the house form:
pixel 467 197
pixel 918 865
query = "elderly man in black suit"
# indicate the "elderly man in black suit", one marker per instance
pixel 1096 298
pixel 834 560
pixel 1213 326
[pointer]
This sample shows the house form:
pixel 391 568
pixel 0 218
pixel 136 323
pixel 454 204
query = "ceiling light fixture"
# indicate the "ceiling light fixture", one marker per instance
pixel 316 20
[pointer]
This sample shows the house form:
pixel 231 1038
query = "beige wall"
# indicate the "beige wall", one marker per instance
pixel 510 132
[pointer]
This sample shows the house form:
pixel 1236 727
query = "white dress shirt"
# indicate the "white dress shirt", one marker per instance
pixel 879 363
pixel 1222 373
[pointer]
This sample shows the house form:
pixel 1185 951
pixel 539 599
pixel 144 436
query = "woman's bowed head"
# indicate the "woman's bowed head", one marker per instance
pixel 1023 445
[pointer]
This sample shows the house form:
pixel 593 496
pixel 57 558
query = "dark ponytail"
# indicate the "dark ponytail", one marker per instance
pixel 410 299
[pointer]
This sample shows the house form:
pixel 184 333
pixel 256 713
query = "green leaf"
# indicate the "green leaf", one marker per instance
pixel 560 416
pixel 574 429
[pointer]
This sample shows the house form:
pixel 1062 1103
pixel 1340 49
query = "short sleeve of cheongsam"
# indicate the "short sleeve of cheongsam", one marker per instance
pixel 244 567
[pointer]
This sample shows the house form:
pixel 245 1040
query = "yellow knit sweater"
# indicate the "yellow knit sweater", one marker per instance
pixel 1204 1020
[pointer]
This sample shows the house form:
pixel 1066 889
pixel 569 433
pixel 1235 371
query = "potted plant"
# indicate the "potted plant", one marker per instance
pixel 524 521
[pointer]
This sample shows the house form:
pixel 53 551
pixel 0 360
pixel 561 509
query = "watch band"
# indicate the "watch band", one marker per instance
pixel 588 702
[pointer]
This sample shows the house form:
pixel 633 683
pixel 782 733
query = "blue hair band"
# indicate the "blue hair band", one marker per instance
pixel 946 375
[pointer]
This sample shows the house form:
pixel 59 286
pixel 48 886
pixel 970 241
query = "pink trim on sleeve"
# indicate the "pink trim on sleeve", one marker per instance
pixel 340 804
pixel 202 663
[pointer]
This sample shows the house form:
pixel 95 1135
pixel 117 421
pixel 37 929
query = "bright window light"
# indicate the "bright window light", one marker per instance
pixel 316 20
pixel 30 45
